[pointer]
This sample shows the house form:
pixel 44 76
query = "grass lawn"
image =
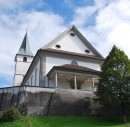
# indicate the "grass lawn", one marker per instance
pixel 67 121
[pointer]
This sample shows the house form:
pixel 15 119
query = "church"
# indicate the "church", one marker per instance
pixel 59 80
pixel 67 62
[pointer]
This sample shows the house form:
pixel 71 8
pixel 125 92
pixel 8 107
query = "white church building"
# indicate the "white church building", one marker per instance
pixel 59 80
pixel 67 62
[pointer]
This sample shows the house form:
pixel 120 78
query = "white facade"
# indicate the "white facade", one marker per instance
pixel 34 77
pixel 52 61
pixel 21 68
pixel 72 44
pixel 60 52
pixel 49 63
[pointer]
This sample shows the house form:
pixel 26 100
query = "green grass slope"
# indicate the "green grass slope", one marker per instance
pixel 67 121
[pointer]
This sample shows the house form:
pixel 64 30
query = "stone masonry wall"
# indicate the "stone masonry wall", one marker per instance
pixel 60 102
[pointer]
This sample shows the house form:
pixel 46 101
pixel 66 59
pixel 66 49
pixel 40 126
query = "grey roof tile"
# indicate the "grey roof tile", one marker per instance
pixel 25 47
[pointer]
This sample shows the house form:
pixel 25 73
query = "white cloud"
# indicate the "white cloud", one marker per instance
pixel 112 24
pixel 11 4
pixel 68 3
pixel 42 27
pixel 82 14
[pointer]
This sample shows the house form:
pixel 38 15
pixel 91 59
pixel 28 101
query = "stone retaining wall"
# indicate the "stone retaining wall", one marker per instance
pixel 47 101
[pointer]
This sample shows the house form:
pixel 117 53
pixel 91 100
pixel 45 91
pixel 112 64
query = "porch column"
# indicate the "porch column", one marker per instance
pixel 75 82
pixel 92 84
pixel 56 79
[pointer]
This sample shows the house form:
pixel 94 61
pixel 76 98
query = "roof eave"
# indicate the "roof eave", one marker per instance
pixel 61 68
pixel 72 53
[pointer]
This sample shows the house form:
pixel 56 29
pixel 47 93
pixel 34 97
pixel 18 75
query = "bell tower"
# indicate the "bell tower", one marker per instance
pixel 23 59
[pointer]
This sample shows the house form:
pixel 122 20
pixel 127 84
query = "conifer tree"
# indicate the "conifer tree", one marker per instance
pixel 113 91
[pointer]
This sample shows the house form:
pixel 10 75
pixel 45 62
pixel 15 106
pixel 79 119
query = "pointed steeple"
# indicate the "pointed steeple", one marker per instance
pixel 25 48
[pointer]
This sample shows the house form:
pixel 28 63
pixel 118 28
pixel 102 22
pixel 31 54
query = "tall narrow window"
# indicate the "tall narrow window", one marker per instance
pixel 32 80
pixel 36 77
pixel 24 59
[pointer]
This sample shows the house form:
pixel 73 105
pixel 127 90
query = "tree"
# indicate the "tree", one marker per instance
pixel 114 84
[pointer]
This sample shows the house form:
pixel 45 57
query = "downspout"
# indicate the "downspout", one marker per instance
pixel 49 104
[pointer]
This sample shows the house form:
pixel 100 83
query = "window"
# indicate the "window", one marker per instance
pixel 72 34
pixel 31 80
pixel 74 63
pixel 87 51
pixel 36 77
pixel 24 59
pixel 58 46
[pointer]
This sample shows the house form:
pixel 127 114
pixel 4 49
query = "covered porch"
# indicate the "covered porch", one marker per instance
pixel 73 77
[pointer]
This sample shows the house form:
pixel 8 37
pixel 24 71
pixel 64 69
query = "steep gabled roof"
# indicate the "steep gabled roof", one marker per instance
pixel 25 47
pixel 76 31
pixel 57 38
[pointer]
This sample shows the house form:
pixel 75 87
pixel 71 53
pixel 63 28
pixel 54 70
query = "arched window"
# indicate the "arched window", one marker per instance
pixel 58 46
pixel 32 80
pixel 36 77
pixel 72 34
pixel 87 51
pixel 74 62
pixel 24 59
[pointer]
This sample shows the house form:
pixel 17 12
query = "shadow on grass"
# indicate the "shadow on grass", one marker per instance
pixel 16 123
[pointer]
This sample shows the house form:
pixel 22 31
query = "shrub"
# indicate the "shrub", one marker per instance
pixel 11 114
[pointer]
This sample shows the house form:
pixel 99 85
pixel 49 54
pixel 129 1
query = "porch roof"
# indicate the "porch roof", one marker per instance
pixel 73 68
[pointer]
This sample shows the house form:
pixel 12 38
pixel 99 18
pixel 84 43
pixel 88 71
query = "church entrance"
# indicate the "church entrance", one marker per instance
pixel 72 85
pixel 72 81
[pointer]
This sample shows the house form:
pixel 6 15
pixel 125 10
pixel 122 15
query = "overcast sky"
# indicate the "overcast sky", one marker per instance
pixel 103 22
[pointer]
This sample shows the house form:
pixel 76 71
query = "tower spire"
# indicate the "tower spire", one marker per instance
pixel 23 60
pixel 25 47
